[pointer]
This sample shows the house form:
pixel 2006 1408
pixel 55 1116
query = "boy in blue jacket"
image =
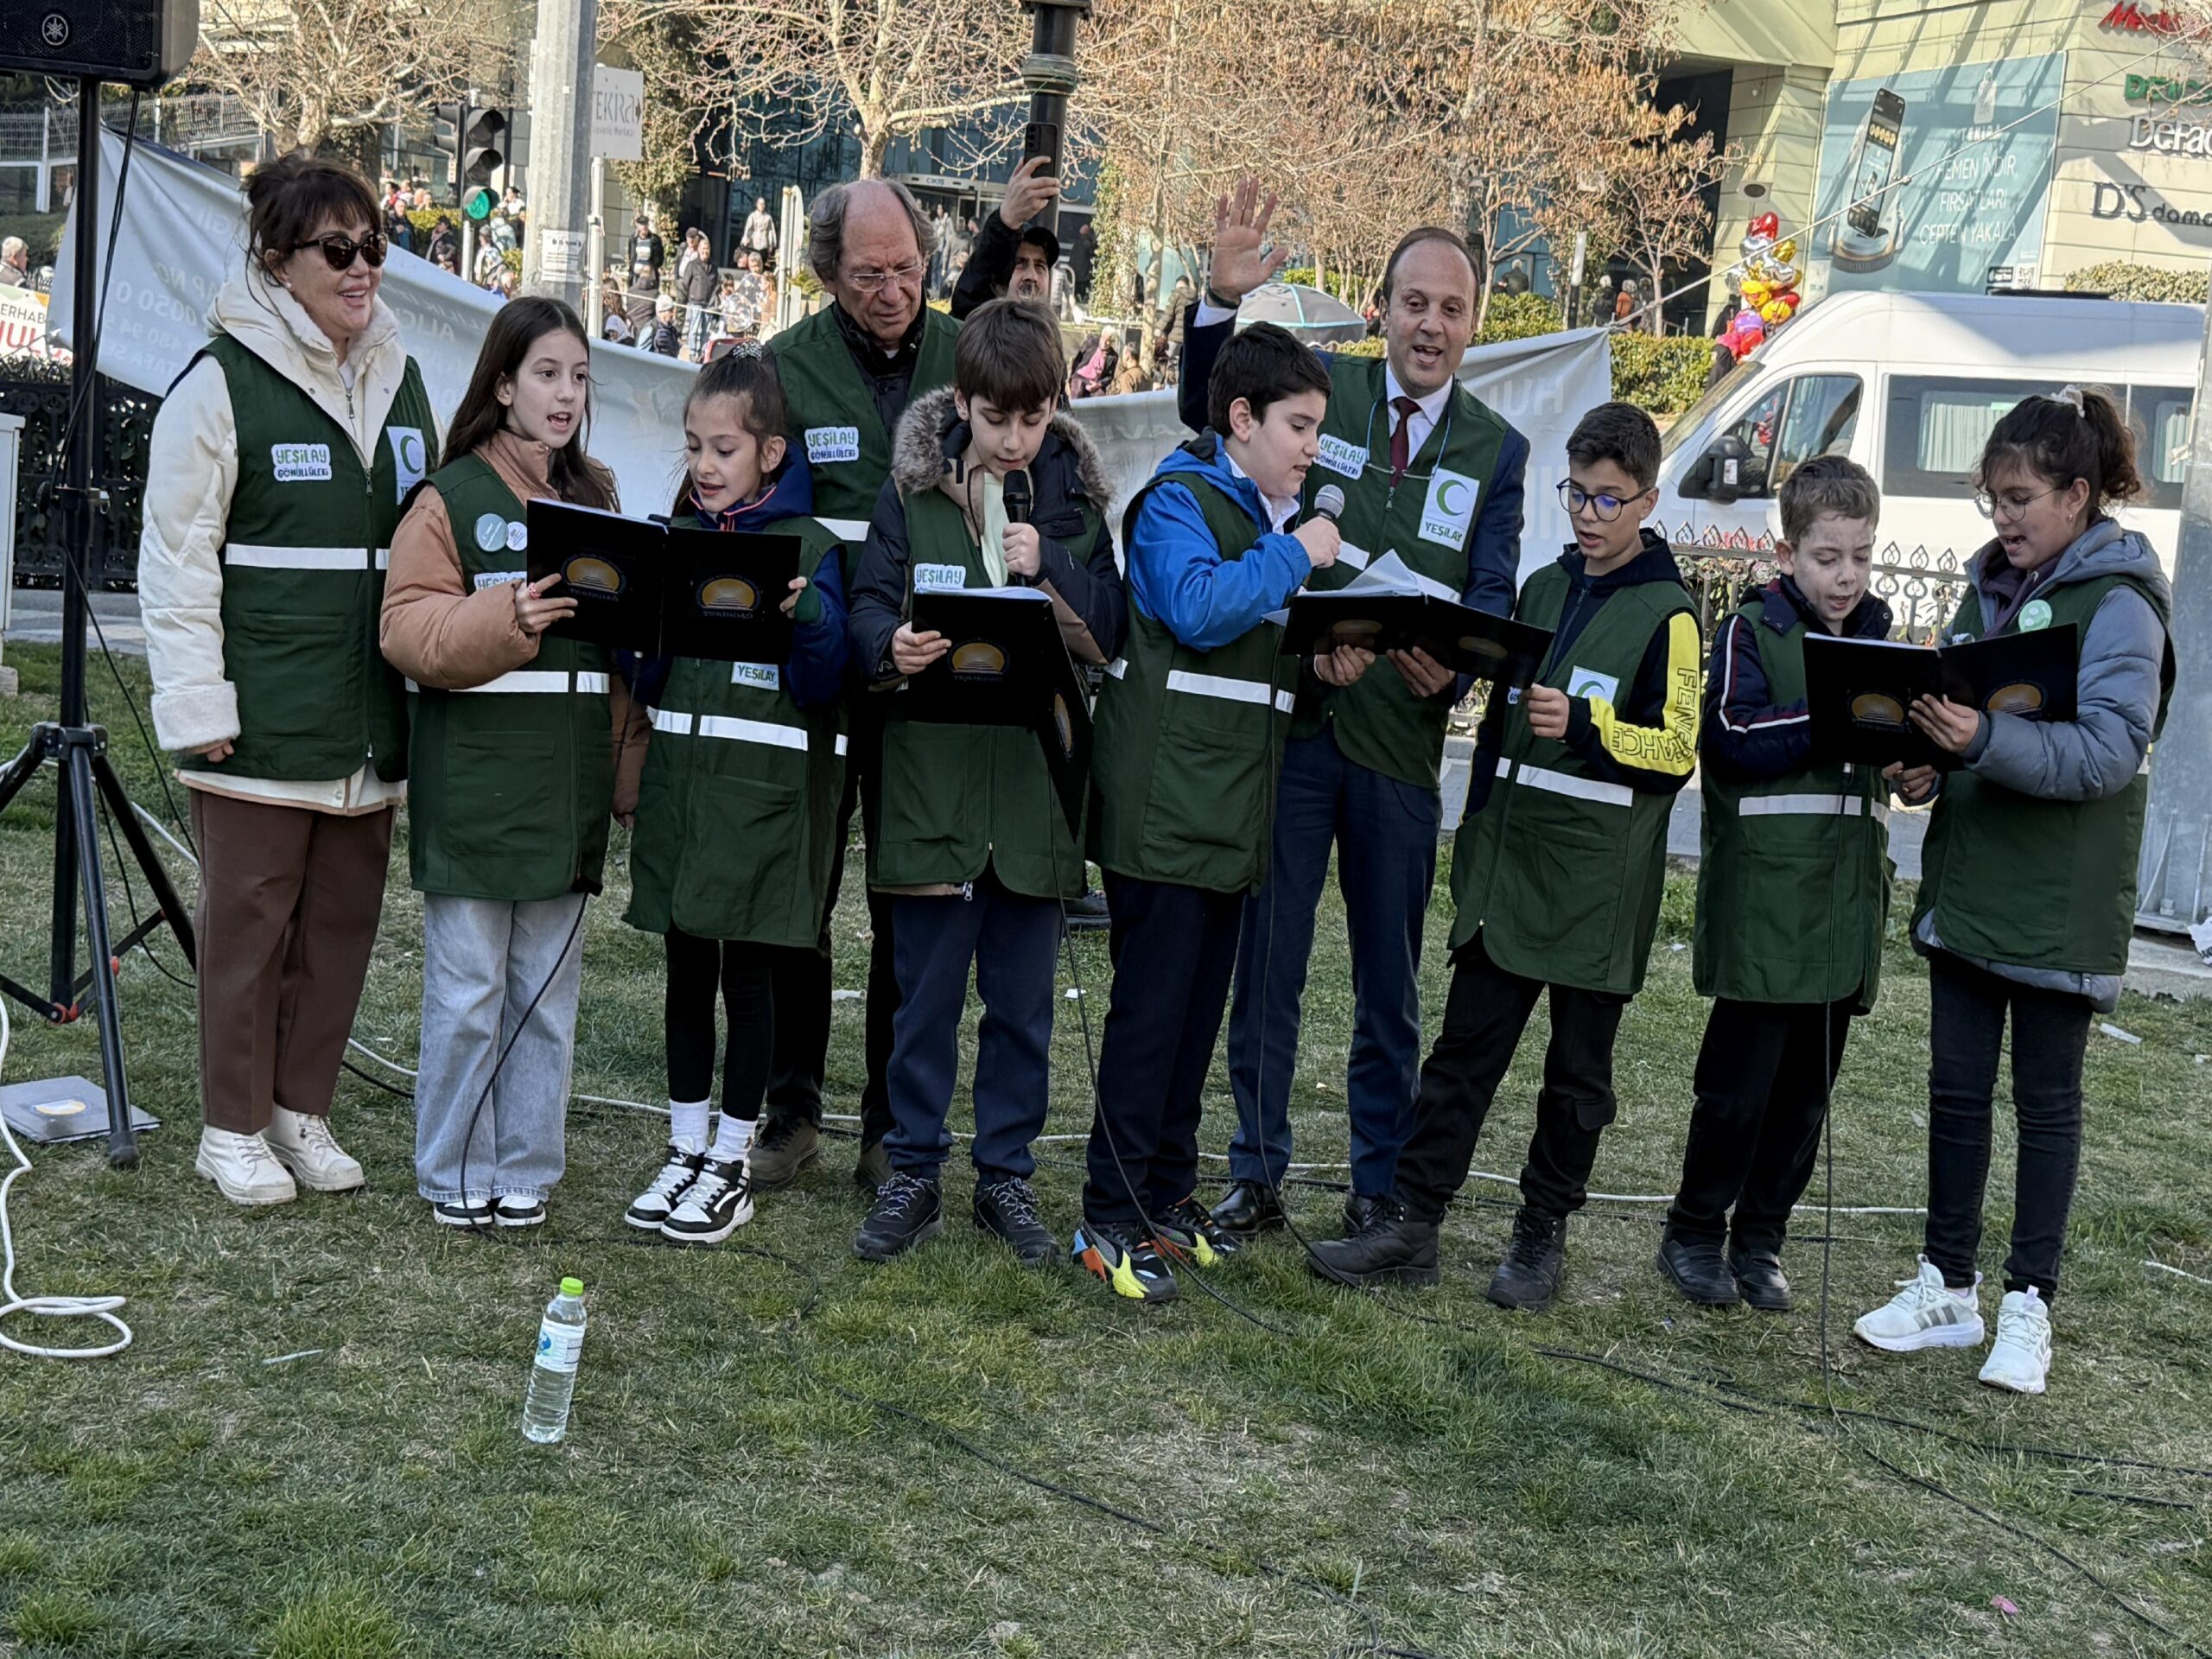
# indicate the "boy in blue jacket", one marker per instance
pixel 1189 734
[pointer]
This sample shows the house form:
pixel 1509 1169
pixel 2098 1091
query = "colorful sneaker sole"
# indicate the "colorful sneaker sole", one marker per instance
pixel 1121 1276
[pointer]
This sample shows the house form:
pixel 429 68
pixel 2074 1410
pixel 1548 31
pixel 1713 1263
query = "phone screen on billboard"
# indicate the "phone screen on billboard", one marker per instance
pixel 1878 161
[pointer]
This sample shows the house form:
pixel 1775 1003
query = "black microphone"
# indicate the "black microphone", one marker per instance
pixel 1329 502
pixel 1016 500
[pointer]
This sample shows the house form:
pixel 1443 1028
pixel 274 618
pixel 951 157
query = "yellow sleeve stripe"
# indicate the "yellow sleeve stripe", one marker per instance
pixel 1670 748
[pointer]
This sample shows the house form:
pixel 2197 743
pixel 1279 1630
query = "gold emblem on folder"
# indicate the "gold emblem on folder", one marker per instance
pixel 1488 649
pixel 732 593
pixel 1355 633
pixel 597 574
pixel 978 660
pixel 2019 698
pixel 1063 724
pixel 1876 709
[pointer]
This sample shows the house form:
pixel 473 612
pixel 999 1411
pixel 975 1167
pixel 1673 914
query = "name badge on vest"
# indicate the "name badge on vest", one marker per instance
pixel 830 444
pixel 1449 511
pixel 496 578
pixel 760 675
pixel 300 463
pixel 2036 613
pixel 491 532
pixel 1589 683
pixel 939 576
pixel 1348 460
pixel 410 457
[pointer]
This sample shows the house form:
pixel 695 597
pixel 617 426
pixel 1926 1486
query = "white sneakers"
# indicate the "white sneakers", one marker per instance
pixel 295 1150
pixel 1927 1314
pixel 305 1146
pixel 2020 1357
pixel 244 1168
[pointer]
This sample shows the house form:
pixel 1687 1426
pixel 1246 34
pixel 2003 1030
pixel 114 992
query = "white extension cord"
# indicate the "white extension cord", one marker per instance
pixel 51 1308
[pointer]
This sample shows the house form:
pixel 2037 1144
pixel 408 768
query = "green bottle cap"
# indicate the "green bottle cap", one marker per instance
pixel 572 1287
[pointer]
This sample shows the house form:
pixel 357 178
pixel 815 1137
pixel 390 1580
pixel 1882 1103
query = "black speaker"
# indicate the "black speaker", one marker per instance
pixel 138 43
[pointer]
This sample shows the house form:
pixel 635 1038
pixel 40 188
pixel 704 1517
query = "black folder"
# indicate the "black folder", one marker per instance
pixel 1007 666
pixel 1464 639
pixel 1860 692
pixel 643 586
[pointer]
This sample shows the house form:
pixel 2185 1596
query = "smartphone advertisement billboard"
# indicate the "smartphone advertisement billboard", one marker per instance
pixel 1929 178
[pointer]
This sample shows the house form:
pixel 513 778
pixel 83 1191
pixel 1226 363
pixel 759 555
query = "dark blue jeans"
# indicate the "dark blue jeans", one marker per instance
pixel 1009 940
pixel 1385 832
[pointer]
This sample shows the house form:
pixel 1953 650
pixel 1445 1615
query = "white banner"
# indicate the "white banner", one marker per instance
pixel 184 235
pixel 22 322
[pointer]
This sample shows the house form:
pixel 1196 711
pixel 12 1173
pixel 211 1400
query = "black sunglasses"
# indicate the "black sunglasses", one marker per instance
pixel 340 250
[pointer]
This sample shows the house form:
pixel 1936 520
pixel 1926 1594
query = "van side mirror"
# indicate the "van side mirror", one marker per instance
pixel 1720 470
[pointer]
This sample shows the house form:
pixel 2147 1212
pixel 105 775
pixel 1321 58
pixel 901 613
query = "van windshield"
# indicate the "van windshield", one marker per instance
pixel 1692 418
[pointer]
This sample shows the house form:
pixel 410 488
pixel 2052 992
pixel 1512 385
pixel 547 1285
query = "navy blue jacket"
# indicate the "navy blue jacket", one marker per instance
pixel 1748 737
pixel 1493 540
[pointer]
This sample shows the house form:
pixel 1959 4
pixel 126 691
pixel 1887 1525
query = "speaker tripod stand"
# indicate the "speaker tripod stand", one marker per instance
pixel 78 749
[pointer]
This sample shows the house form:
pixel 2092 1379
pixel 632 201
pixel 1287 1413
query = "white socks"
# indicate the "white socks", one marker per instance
pixel 687 1123
pixel 733 1136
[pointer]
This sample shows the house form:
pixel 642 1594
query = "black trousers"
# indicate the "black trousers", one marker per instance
pixel 746 975
pixel 803 978
pixel 1763 1076
pixel 2050 1031
pixel 1175 949
pixel 1483 1017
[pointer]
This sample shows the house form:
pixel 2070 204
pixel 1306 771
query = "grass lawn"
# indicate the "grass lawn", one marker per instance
pixel 1331 1476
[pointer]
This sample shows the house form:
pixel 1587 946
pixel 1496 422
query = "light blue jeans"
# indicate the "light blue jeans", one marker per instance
pixel 483 961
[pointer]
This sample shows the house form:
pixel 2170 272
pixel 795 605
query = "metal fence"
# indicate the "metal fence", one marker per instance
pixel 1923 585
pixel 126 421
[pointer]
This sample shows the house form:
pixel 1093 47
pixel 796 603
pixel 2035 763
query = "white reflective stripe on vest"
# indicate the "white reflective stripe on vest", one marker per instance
pixel 384 558
pixel 852 531
pixel 1583 789
pixel 1229 691
pixel 1790 806
pixel 591 685
pixel 298 558
pixel 840 745
pixel 752 731
pixel 533 681
pixel 675 722
pixel 1117 668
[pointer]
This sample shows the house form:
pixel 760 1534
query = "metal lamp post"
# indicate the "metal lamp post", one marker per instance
pixel 1050 73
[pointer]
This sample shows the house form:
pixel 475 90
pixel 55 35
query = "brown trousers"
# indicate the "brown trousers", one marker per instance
pixel 289 899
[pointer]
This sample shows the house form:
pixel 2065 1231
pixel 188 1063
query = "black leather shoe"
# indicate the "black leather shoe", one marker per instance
pixel 1535 1260
pixel 1250 1208
pixel 872 1169
pixel 1392 1249
pixel 1758 1275
pixel 784 1144
pixel 1698 1271
pixel 906 1212
pixel 1361 1210
pixel 1086 914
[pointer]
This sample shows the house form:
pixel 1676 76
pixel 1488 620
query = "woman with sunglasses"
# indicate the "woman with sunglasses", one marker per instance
pixel 278 464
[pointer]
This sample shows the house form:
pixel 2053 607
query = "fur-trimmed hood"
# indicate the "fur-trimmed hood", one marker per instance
pixel 931 435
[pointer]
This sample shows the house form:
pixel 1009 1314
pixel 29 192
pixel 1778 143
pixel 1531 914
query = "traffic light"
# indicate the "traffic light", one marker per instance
pixel 483 144
pixel 450 118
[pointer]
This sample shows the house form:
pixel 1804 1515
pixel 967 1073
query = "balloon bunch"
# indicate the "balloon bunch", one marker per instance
pixel 1767 280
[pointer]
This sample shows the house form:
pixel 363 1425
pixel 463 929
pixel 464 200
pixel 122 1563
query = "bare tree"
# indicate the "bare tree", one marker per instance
pixel 790 71
pixel 306 69
pixel 1656 196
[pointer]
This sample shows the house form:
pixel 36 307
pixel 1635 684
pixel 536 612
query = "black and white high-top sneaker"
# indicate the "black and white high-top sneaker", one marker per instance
pixel 713 1207
pixel 657 1202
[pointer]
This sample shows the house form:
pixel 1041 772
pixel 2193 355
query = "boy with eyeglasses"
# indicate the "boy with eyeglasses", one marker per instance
pixel 1556 872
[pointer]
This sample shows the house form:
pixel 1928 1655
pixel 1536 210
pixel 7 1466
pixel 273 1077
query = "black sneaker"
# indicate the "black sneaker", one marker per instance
pixel 784 1144
pixel 1008 1208
pixel 1086 914
pixel 714 1206
pixel 1185 1232
pixel 467 1212
pixel 1392 1248
pixel 906 1212
pixel 1758 1275
pixel 1694 1266
pixel 1535 1262
pixel 514 1210
pixel 657 1202
pixel 1249 1209
pixel 1131 1263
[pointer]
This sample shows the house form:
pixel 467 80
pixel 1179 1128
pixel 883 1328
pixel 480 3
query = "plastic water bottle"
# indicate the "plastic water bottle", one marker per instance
pixel 553 1376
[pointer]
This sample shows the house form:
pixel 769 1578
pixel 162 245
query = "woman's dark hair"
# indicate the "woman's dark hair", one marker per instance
pixel 2079 434
pixel 287 199
pixel 749 377
pixel 519 325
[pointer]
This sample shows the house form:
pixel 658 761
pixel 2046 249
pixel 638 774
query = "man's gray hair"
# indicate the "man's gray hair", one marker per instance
pixel 13 246
pixel 825 225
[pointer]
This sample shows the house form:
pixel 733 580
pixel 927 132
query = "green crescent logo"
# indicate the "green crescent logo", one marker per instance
pixel 1446 492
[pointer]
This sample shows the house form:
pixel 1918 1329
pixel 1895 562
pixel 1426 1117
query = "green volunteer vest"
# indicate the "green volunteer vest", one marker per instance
pixel 1188 743
pixel 512 780
pixel 1379 722
pixel 833 421
pixel 304 553
pixel 737 809
pixel 2039 883
pixel 1793 883
pixel 1561 871
pixel 958 799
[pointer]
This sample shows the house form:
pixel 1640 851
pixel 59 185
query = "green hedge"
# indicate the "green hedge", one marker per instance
pixel 2122 281
pixel 41 234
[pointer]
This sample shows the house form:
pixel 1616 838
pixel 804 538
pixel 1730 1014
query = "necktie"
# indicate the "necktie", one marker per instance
pixel 1401 438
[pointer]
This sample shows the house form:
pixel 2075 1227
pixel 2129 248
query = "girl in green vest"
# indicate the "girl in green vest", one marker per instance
pixel 513 769
pixel 736 826
pixel 2027 895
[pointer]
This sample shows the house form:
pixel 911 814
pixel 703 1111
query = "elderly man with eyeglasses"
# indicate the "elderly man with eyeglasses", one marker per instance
pixel 848 372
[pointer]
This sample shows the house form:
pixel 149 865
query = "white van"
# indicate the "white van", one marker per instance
pixel 1908 386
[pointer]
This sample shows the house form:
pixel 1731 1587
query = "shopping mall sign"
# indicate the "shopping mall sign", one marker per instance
pixel 2137 20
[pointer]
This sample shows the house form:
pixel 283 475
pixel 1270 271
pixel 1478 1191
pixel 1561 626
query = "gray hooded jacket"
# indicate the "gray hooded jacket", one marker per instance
pixel 2098 752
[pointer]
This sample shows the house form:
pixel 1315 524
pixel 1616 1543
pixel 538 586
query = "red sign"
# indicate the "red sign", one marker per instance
pixel 2129 16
